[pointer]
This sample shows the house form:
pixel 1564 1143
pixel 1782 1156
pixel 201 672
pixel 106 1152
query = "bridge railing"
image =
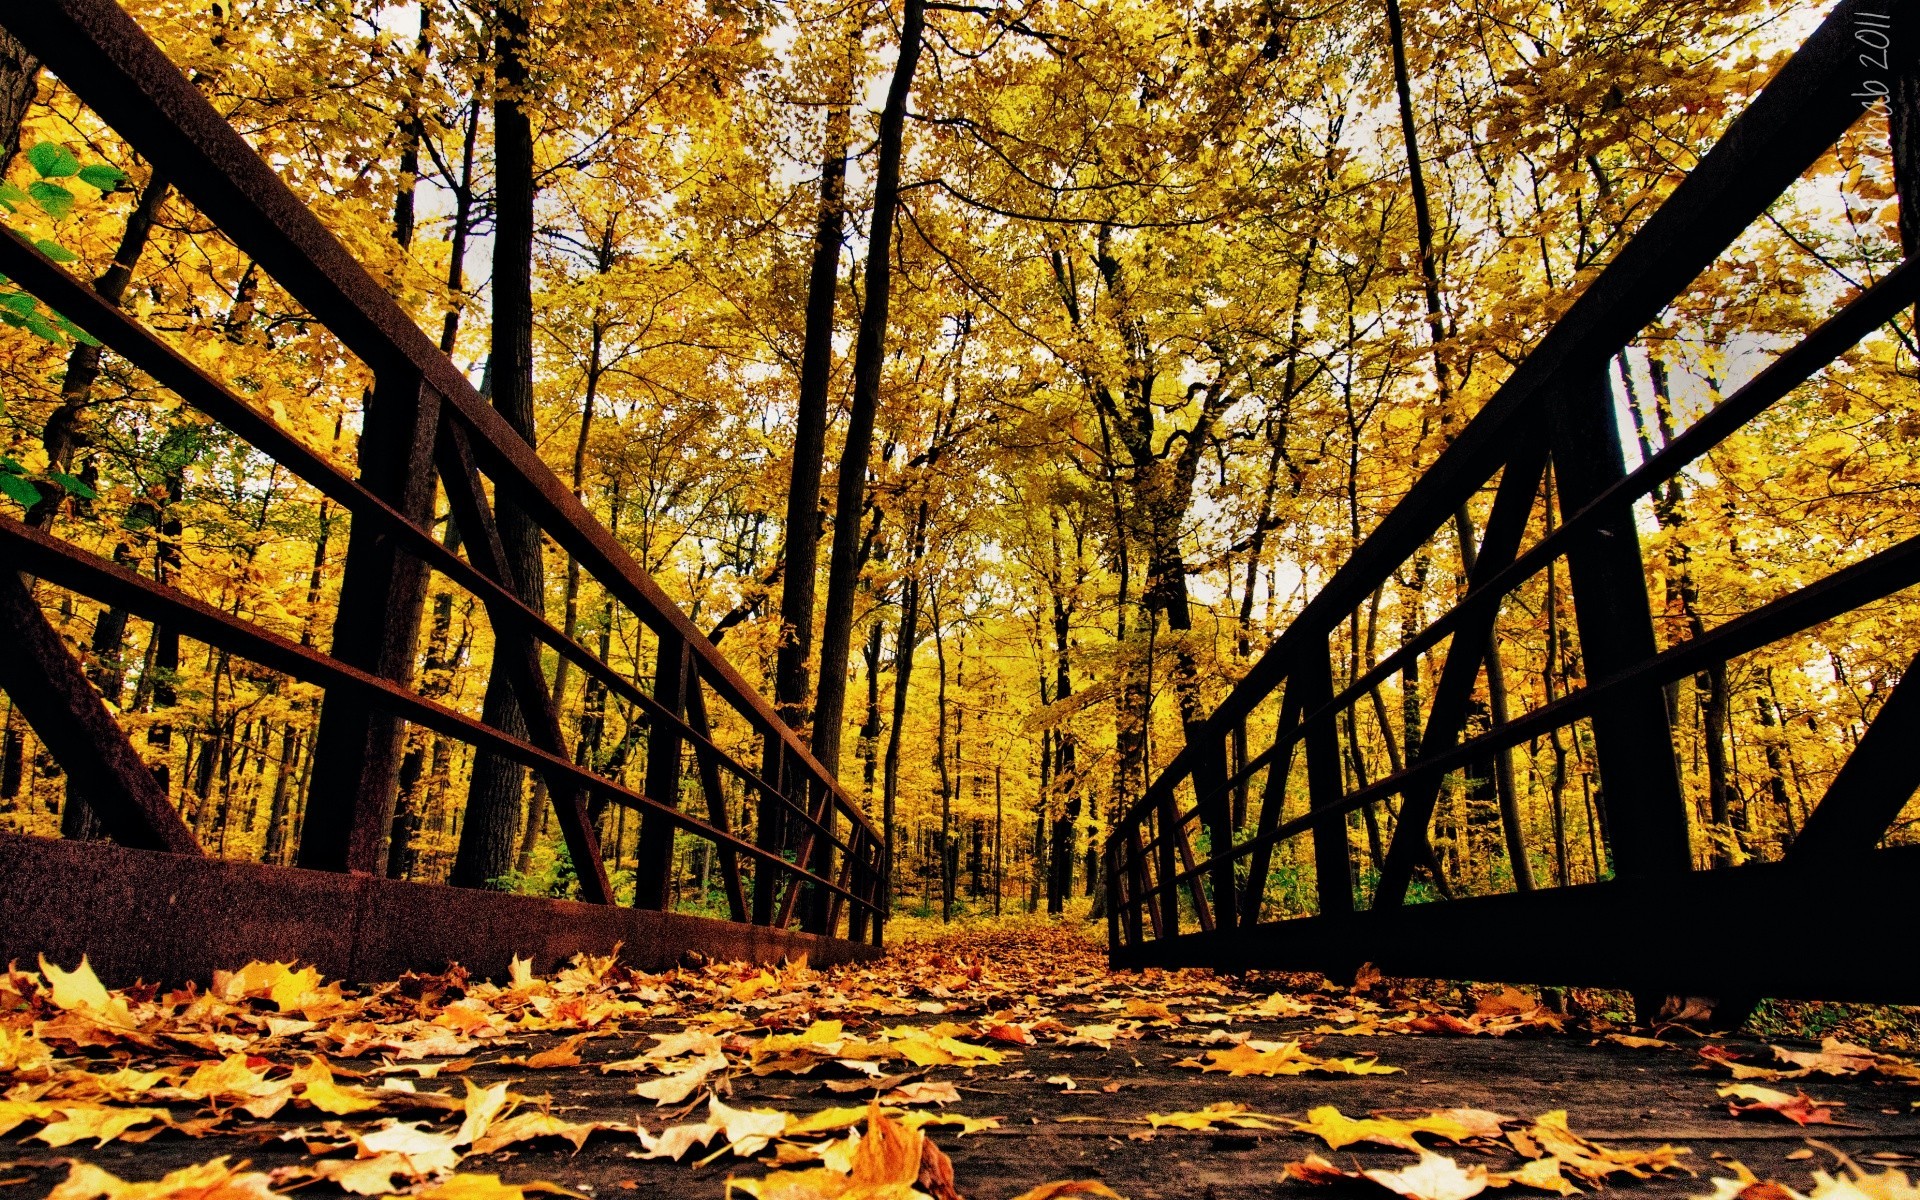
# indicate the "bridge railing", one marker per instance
pixel 1189 866
pixel 814 859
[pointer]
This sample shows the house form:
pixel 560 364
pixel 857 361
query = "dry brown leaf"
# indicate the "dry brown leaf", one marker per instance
pixel 1750 1099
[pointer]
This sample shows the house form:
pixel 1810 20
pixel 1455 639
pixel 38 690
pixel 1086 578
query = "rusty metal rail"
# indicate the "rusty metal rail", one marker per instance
pixel 424 427
pixel 1556 409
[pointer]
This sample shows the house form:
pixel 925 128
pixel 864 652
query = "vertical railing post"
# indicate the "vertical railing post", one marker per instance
pixel 1332 863
pixel 769 830
pixel 1633 741
pixel 820 860
pixel 653 857
pixel 382 591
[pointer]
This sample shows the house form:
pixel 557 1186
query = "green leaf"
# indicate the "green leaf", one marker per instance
pixel 102 176
pixel 7 464
pixel 73 484
pixel 19 491
pixel 53 199
pixel 74 331
pixel 18 302
pixel 55 251
pixel 11 197
pixel 53 160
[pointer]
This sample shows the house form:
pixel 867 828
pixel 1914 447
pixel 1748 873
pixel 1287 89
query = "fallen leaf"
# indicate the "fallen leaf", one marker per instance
pixel 526 1126
pixel 923 1092
pixel 1750 1099
pixel 214 1180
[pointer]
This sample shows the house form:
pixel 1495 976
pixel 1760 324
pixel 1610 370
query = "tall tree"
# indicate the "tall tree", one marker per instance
pixel 869 353
pixel 810 414
pixel 486 854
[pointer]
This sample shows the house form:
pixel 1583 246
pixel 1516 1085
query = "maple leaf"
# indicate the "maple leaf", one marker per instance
pixel 1434 1177
pixel 1225 1112
pixel 465 1186
pixel 214 1180
pixel 672 1089
pixel 889 1163
pixel 78 1122
pixel 1834 1057
pixel 23 1055
pixel 1283 1058
pixel 923 1092
pixel 1550 1137
pixel 676 1140
pixel 481 1107
pixel 564 1054
pixel 80 992
pixel 1748 1099
pixel 234 1082
pixel 317 1088
pixel 747 1131
pixel 526 1126
pixel 1327 1123
pixel 1540 1174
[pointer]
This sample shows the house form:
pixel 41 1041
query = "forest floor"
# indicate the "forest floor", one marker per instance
pixel 988 1062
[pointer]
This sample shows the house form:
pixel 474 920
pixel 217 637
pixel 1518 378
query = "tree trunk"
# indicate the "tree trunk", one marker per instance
pixel 802 538
pixel 486 853
pixel 903 645
pixel 869 351
pixel 19 81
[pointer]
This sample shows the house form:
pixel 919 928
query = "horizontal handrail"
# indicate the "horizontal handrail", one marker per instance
pixel 32 270
pixel 69 566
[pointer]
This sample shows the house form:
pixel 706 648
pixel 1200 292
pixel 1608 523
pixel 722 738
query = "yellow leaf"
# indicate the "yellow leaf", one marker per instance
pixel 79 1122
pixel 1226 1112
pixel 482 1107
pixel 319 1090
pixel 1327 1124
pixel 1283 1058
pixel 529 1125
pixel 205 1181
pixel 78 988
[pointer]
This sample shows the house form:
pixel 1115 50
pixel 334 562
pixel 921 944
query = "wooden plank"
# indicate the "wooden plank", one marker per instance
pixel 170 918
pixel 1215 799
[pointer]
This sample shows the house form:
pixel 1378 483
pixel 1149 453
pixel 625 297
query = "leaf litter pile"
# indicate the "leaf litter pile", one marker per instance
pixel 916 1076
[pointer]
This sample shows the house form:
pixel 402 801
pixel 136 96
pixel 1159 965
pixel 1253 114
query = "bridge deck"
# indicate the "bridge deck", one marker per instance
pixel 1627 1097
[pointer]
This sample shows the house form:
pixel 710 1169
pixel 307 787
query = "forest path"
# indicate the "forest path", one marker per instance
pixel 1476 1074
